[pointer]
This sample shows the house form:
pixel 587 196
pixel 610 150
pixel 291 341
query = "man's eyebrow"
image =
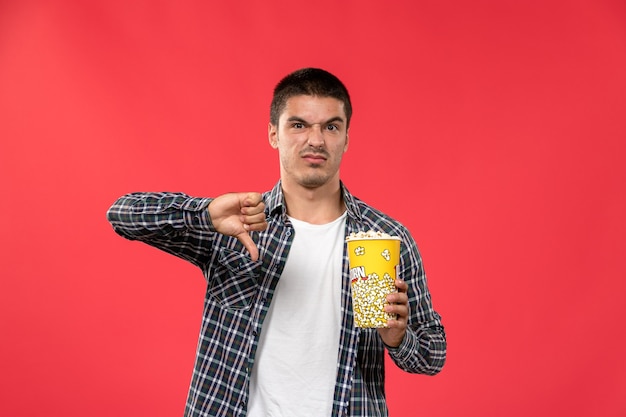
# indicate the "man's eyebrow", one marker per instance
pixel 335 119
pixel 301 120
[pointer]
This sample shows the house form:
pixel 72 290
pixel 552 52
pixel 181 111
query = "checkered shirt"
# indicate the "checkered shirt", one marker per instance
pixel 239 293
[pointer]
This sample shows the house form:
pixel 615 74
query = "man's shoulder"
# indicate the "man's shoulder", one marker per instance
pixel 378 220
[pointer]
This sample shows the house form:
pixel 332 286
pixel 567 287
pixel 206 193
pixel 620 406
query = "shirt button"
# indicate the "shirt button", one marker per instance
pixel 288 233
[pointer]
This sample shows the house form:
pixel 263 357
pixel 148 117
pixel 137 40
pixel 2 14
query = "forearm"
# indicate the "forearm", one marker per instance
pixel 173 222
pixel 423 350
pixel 140 216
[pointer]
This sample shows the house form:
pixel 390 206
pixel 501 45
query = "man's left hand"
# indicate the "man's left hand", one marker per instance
pixel 393 334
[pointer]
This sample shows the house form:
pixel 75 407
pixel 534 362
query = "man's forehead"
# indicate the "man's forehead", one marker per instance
pixel 303 105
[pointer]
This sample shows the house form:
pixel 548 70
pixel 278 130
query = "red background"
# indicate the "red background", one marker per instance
pixel 495 130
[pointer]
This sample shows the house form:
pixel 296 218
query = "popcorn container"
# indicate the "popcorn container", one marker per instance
pixel 374 259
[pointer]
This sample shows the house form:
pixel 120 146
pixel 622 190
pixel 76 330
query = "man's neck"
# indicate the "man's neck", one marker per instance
pixel 319 205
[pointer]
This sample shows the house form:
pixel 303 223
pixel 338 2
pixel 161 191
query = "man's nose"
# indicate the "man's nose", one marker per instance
pixel 316 136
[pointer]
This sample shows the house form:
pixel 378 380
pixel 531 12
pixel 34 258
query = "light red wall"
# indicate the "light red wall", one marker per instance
pixel 495 130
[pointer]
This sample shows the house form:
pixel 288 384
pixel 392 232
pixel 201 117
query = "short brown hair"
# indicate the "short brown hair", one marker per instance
pixel 311 82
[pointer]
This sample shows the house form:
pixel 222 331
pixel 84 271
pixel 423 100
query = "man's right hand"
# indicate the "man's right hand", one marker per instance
pixel 235 214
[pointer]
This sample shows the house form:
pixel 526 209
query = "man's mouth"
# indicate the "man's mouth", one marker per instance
pixel 314 158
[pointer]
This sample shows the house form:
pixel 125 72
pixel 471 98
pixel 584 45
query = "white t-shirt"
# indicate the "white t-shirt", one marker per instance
pixel 295 367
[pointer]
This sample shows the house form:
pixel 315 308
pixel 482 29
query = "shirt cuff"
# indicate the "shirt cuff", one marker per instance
pixel 196 214
pixel 406 347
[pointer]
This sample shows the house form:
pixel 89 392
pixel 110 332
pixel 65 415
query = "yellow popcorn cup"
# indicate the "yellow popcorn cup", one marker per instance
pixel 373 269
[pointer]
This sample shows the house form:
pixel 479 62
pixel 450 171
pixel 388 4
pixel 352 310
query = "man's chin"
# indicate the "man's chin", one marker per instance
pixel 314 181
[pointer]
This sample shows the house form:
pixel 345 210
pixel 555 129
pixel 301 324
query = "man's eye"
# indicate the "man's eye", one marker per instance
pixel 332 127
pixel 297 125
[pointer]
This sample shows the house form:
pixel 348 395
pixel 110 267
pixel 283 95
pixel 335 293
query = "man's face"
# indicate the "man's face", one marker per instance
pixel 311 138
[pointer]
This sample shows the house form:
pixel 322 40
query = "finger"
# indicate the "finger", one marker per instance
pixel 252 218
pixel 400 310
pixel 252 199
pixel 396 324
pixel 255 209
pixel 401 285
pixel 397 298
pixel 255 227
pixel 249 244
pixel 255 222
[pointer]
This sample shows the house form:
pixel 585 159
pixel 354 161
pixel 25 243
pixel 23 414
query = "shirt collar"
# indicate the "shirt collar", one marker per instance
pixel 351 202
pixel 275 202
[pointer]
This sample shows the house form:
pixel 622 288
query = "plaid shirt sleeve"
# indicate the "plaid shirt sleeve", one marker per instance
pixel 173 222
pixel 423 349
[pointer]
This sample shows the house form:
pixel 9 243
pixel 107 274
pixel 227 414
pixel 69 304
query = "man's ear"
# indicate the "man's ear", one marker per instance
pixel 272 135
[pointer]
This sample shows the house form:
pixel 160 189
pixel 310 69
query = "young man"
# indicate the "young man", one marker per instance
pixel 278 336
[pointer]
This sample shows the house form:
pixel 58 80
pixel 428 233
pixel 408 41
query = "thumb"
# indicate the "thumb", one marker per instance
pixel 249 244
